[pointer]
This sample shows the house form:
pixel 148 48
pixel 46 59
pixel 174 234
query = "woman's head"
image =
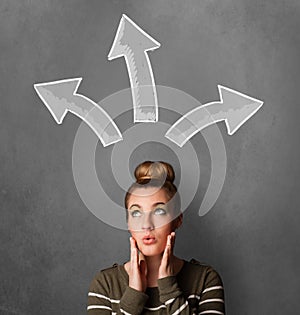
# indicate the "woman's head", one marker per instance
pixel 155 174
pixel 153 206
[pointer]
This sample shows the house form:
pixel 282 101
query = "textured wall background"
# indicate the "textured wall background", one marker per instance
pixel 51 245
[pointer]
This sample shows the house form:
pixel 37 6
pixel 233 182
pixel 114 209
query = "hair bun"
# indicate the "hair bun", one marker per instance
pixel 154 170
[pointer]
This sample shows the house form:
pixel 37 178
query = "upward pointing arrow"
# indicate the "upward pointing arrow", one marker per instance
pixel 234 107
pixel 61 97
pixel 132 43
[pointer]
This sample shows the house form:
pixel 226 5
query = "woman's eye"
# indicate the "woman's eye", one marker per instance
pixel 136 213
pixel 160 211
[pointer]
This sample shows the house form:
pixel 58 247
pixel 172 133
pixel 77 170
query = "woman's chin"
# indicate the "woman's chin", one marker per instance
pixel 148 251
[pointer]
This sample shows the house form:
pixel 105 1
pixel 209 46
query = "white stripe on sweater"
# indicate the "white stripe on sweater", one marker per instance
pixel 212 288
pixel 169 301
pixel 211 300
pixel 194 296
pixel 211 312
pixel 182 307
pixel 101 296
pixel 154 308
pixel 124 312
pixel 92 307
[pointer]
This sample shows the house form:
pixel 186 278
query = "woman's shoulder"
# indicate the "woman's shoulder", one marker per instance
pixel 205 271
pixel 106 272
pixel 194 263
pixel 200 264
pixel 112 268
pixel 197 276
pixel 108 276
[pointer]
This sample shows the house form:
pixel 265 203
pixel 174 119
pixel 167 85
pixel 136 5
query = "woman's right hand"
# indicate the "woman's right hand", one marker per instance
pixel 138 270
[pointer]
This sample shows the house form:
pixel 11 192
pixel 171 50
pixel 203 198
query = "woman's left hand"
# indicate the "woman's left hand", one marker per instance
pixel 167 267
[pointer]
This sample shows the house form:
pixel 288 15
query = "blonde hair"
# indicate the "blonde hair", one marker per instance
pixel 155 174
pixel 154 170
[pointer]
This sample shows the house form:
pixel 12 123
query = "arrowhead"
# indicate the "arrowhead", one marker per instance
pixel 57 96
pixel 239 108
pixel 130 35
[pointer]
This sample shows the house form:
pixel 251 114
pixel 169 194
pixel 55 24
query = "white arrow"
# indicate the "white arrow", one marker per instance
pixel 234 107
pixel 132 43
pixel 61 97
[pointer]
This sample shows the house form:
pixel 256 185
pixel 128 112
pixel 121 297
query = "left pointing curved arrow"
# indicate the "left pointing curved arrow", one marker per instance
pixel 234 107
pixel 61 97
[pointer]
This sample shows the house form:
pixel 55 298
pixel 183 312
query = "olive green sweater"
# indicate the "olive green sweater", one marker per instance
pixel 196 289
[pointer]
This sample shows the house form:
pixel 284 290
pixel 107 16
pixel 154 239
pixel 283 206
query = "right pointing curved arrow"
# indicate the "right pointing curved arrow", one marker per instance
pixel 61 97
pixel 234 107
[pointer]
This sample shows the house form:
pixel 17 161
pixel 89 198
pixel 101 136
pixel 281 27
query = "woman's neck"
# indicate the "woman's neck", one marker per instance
pixel 153 263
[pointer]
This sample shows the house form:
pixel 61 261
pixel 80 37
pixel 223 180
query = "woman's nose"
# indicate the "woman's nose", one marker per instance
pixel 147 222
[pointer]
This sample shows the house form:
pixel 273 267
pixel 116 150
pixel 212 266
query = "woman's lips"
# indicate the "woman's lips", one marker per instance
pixel 148 240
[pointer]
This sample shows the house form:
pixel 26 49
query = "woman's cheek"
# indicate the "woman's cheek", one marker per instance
pixel 134 225
pixel 161 222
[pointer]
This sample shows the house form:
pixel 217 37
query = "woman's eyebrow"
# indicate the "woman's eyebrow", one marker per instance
pixel 158 203
pixel 154 205
pixel 135 205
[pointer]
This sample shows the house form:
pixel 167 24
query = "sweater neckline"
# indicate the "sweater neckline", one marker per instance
pixel 125 275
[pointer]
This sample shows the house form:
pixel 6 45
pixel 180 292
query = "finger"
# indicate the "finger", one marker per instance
pixel 133 251
pixel 132 242
pixel 141 256
pixel 169 241
pixel 136 253
pixel 173 236
pixel 167 249
pixel 143 267
pixel 170 247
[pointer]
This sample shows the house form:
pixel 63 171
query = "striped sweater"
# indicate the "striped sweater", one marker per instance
pixel 196 289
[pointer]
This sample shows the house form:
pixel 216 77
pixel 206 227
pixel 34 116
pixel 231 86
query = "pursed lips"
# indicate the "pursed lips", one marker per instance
pixel 148 237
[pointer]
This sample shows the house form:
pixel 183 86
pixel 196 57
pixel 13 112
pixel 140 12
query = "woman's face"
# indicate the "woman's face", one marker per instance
pixel 150 219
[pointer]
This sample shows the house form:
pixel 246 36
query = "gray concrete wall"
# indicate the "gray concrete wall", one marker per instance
pixel 51 245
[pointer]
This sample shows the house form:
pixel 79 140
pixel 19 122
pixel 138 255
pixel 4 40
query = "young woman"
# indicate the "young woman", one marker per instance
pixel 155 281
